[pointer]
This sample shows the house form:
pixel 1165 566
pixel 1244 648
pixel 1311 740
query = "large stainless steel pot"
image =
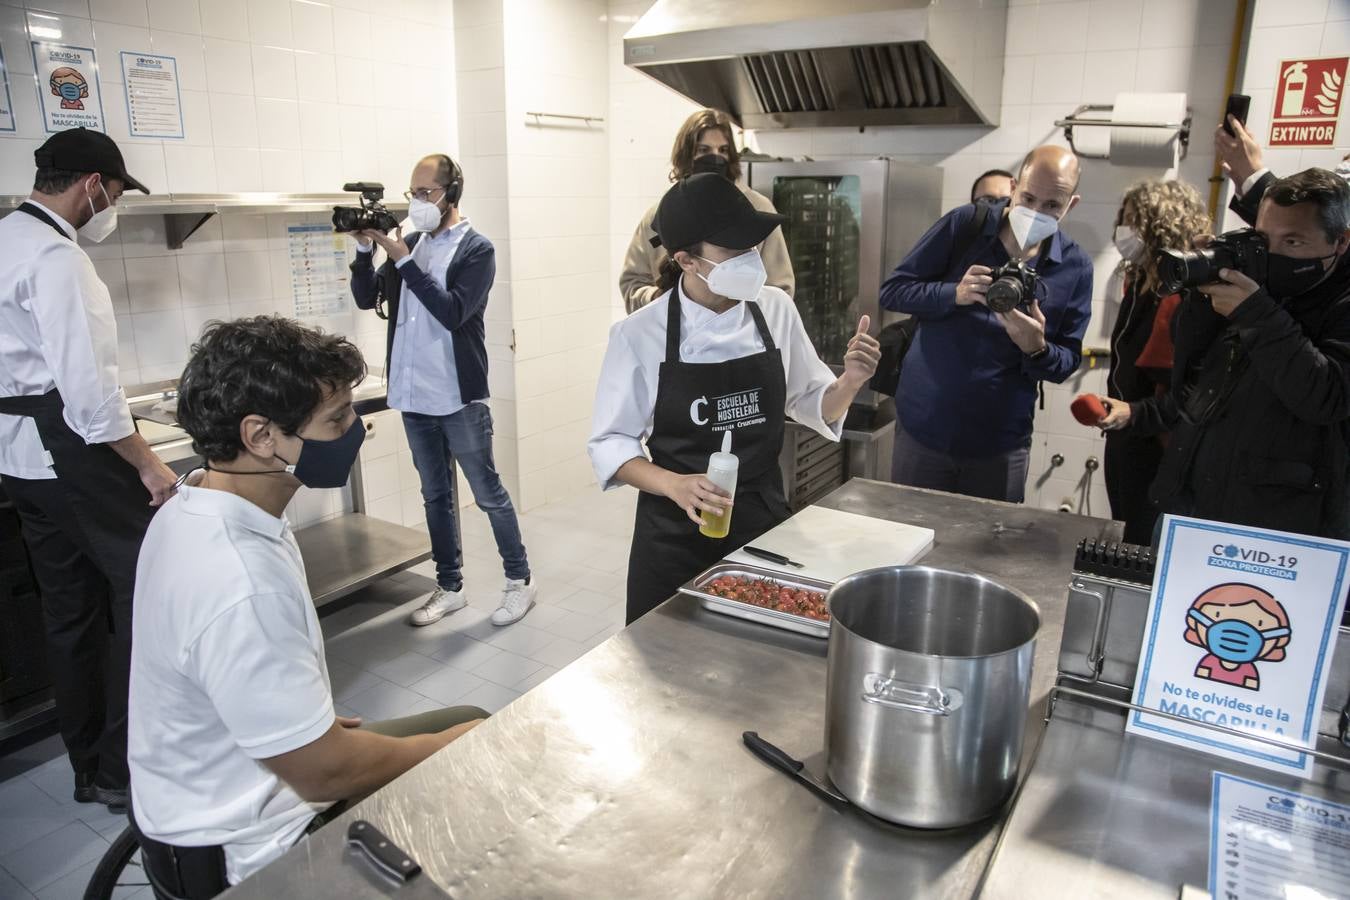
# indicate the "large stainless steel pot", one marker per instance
pixel 926 700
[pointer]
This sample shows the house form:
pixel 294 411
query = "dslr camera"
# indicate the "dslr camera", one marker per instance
pixel 1244 251
pixel 1014 286
pixel 370 215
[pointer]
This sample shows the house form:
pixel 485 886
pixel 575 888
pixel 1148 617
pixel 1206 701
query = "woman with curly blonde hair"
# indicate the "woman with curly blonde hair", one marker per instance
pixel 1154 216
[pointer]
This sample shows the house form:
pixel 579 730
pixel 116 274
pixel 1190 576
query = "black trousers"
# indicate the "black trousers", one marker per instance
pixel 1131 464
pixel 86 576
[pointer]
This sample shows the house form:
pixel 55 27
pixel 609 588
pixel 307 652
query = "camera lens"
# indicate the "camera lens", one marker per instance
pixel 1004 294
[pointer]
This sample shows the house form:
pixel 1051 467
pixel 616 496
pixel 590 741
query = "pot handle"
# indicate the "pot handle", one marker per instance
pixel 927 699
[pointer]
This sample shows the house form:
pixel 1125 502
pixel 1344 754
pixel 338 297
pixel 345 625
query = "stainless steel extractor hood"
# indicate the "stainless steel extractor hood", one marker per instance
pixel 813 63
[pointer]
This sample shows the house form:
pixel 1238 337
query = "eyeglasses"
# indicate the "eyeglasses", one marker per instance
pixel 423 194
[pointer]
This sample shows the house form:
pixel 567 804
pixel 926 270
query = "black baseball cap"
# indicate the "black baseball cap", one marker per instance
pixel 82 150
pixel 709 207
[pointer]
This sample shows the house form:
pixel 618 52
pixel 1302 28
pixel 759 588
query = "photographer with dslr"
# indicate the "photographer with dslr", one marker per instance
pixel 1003 299
pixel 1260 395
pixel 436 284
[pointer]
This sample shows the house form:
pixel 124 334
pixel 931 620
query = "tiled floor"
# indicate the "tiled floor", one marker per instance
pixel 380 668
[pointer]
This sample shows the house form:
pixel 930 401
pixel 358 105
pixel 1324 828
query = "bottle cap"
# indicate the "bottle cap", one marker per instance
pixel 726 441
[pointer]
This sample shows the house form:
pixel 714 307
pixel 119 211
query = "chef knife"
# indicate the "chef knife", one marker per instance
pixel 387 867
pixel 772 557
pixel 793 767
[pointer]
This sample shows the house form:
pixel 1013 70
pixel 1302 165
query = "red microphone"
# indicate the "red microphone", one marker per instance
pixel 1088 409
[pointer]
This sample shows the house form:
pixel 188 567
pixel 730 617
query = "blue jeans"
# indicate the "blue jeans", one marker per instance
pixel 465 437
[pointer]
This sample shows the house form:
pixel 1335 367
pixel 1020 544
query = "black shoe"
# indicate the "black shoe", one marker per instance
pixel 85 792
pixel 113 798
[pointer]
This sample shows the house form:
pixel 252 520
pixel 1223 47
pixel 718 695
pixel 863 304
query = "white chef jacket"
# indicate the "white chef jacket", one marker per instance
pixel 625 400
pixel 57 330
pixel 227 669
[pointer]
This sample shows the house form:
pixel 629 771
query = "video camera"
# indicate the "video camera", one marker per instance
pixel 1014 286
pixel 1245 251
pixel 370 215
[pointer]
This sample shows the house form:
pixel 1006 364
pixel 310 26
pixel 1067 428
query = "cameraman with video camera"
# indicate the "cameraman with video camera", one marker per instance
pixel 436 284
pixel 1003 298
pixel 1260 396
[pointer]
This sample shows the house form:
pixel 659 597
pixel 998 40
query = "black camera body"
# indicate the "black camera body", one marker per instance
pixel 1245 251
pixel 370 215
pixel 1014 286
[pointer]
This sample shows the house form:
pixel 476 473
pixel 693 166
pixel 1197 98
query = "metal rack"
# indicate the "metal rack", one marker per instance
pixel 1074 120
pixel 185 213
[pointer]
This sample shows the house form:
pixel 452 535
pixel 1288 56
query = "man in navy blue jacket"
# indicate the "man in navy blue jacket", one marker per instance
pixel 968 382
pixel 435 285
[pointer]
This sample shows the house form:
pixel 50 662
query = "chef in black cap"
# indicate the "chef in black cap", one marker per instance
pixel 83 481
pixel 717 351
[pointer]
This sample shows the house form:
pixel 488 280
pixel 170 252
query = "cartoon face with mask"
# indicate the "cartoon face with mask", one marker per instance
pixel 1239 625
pixel 70 86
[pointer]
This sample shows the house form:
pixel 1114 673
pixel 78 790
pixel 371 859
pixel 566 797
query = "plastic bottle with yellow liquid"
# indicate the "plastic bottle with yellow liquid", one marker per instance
pixel 723 467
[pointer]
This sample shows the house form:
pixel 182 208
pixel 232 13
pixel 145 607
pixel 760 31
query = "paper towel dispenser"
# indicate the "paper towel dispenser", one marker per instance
pixel 1163 119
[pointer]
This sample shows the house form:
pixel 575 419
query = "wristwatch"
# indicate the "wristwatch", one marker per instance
pixel 1039 354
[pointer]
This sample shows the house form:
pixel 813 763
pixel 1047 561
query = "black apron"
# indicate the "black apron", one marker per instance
pixel 695 404
pixel 103 489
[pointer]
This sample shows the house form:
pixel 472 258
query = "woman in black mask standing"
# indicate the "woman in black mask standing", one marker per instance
pixel 718 351
pixel 703 144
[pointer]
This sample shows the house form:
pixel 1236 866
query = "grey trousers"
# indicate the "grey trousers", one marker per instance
pixel 999 477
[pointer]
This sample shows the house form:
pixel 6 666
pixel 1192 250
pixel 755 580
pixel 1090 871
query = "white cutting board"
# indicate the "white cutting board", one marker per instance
pixel 832 544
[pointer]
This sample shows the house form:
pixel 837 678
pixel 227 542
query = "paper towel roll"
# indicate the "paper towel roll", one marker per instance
pixel 1155 148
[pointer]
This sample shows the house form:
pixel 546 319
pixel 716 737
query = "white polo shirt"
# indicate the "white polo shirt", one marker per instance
pixel 227 669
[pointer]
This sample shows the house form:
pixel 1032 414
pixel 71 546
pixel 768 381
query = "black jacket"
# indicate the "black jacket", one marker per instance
pixel 1249 204
pixel 458 304
pixel 1259 411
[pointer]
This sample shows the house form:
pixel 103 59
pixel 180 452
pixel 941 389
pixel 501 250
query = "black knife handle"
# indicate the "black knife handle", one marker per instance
pixel 768 555
pixel 771 754
pixel 386 856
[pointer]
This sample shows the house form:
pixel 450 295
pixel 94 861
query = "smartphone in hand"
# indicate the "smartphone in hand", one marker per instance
pixel 1238 107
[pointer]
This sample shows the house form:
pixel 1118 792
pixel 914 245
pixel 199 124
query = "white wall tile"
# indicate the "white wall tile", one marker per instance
pixel 282 170
pixel 196 318
pixel 1114 25
pixel 234 121
pixel 316 77
pixel 124 12
pixel 176 15
pixel 313 26
pixel 247 277
pixel 152 283
pixel 160 338
pixel 319 126
pixel 189 57
pixel 270 22
pixel 1289 12
pixel 355 81
pixel 225 19
pixel 202 279
pixel 146 163
pixel 229 66
pixel 113 273
pixel 278 124
pixel 197 119
pixel 351 33
pixel 191 170
pixel 324 172
pixel 274 72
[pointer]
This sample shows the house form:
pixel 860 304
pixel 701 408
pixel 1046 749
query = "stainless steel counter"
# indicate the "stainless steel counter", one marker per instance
pixel 624 774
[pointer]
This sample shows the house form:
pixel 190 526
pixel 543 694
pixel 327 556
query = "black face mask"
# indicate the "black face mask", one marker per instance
pixel 1290 276
pixel 326 464
pixel 710 162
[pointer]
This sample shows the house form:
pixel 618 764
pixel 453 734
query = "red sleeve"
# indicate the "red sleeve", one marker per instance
pixel 1158 352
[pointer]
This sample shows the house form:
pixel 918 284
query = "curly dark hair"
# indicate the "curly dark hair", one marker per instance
pixel 267 366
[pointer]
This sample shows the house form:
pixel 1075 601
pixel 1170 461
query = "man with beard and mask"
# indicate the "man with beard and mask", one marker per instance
pixel 84 483
pixel 964 419
pixel 235 749
pixel 435 285
pixel 1260 392
pixel 704 144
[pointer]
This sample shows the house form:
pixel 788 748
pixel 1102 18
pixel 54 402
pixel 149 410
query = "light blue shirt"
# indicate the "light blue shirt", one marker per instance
pixel 422 376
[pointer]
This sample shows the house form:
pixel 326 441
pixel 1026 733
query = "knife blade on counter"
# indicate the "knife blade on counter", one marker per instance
pixel 772 557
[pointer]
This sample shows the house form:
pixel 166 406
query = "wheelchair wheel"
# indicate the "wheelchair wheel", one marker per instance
pixel 119 870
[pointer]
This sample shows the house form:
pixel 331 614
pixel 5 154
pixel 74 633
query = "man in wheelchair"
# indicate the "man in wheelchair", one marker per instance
pixel 234 749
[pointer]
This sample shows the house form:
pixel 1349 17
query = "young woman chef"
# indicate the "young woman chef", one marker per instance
pixel 717 351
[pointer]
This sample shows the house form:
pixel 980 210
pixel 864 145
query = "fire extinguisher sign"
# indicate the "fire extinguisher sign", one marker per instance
pixel 1307 102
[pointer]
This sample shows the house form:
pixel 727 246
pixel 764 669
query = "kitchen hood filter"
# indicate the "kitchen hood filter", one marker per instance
pixel 890 76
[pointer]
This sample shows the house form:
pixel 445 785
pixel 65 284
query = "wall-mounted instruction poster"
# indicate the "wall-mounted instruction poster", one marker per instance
pixel 67 80
pixel 154 104
pixel 318 270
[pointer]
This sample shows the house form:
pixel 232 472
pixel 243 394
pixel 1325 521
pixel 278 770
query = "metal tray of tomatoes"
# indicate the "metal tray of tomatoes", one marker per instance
pixel 699 587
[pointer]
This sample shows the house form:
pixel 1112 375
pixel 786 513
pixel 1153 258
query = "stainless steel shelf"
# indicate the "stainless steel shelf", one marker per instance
pixel 347 553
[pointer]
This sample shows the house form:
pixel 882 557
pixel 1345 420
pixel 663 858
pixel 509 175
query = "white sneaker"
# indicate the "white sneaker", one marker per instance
pixel 517 598
pixel 438 605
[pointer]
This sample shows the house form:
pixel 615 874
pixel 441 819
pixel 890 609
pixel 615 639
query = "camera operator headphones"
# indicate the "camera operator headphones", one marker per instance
pixel 455 189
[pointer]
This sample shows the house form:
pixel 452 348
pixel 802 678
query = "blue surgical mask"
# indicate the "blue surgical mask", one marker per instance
pixel 70 91
pixel 1233 640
